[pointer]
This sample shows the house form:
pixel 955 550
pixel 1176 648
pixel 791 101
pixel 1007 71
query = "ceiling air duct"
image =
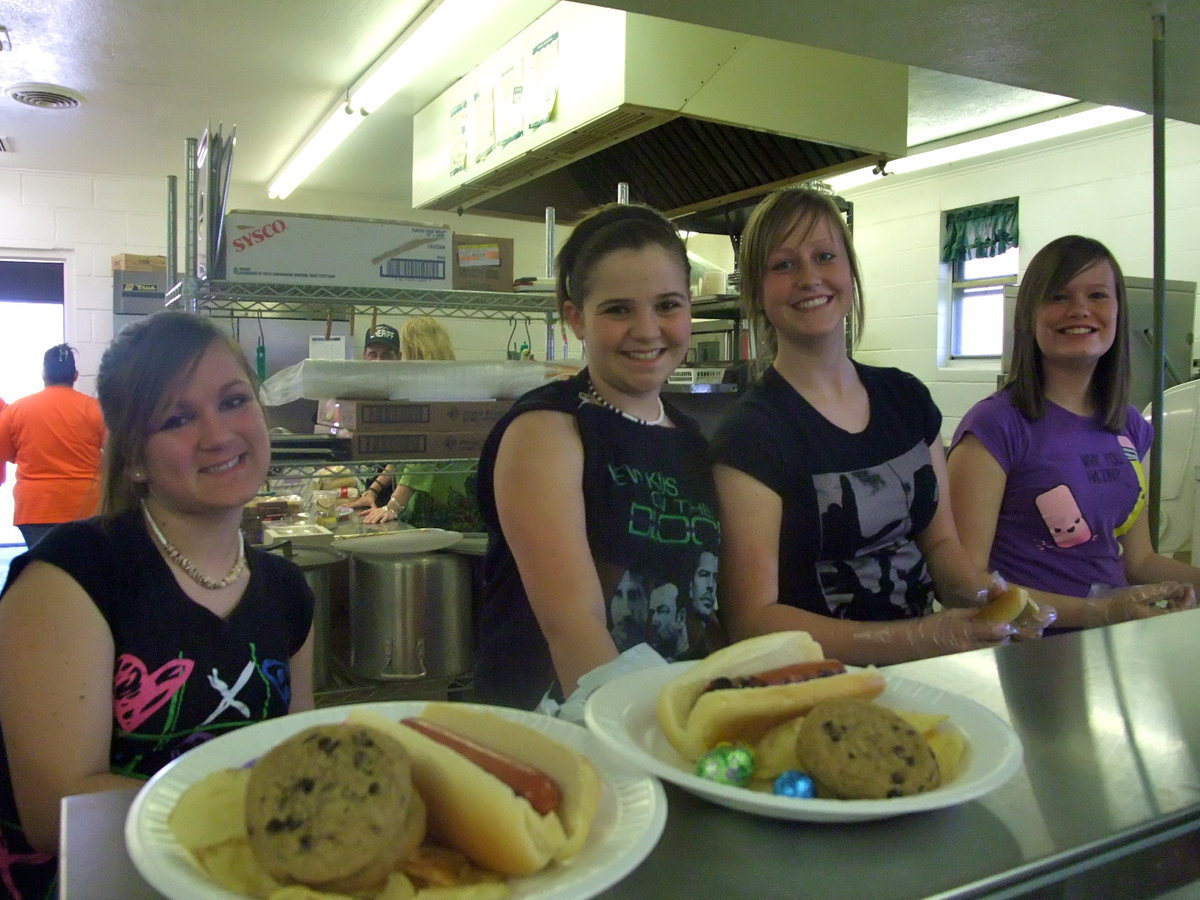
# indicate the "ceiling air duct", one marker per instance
pixel 696 120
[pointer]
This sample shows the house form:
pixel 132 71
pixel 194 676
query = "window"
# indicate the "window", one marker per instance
pixel 981 251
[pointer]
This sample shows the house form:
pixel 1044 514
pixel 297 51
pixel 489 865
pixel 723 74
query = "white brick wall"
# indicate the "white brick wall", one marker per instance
pixel 1097 185
pixel 82 220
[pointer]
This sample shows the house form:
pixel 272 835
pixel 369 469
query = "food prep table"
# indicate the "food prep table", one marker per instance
pixel 1107 802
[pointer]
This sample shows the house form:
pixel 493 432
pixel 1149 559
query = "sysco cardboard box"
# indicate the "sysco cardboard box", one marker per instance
pixel 298 248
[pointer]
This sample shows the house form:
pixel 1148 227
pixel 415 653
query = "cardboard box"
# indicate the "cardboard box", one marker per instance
pixel 139 292
pixel 360 416
pixel 482 263
pixel 132 262
pixel 399 446
pixel 295 248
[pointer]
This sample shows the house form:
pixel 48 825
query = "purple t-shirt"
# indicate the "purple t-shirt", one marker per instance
pixel 1071 485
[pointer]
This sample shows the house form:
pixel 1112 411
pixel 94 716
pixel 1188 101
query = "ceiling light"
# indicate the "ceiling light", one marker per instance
pixel 432 36
pixel 1005 140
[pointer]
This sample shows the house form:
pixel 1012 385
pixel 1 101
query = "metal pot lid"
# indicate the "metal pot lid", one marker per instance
pixel 398 543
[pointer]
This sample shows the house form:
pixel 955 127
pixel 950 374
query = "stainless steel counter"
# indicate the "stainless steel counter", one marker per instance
pixel 1106 804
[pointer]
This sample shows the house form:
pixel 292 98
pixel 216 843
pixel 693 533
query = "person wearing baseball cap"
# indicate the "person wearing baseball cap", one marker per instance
pixel 383 342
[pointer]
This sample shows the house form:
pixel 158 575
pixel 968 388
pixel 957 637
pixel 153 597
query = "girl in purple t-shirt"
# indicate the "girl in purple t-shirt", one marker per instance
pixel 1046 476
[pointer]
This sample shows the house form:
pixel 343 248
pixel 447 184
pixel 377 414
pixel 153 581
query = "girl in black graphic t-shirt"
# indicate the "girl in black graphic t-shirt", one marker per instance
pixel 830 472
pixel 597 495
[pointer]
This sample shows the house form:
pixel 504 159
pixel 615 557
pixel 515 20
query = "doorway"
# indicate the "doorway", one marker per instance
pixel 31 321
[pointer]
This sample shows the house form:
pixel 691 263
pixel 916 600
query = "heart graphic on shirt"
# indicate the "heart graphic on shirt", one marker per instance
pixel 278 676
pixel 138 693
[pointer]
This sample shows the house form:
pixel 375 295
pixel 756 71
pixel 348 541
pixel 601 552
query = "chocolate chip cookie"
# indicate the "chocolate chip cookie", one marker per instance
pixel 334 807
pixel 857 750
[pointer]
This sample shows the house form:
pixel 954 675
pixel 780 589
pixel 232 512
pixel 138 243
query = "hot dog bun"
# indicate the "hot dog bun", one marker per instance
pixel 475 812
pixel 1008 607
pixel 695 719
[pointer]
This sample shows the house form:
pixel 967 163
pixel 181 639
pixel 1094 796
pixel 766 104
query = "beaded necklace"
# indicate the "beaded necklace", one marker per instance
pixel 591 395
pixel 189 567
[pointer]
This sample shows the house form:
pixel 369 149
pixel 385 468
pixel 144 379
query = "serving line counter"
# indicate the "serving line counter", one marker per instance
pixel 1108 796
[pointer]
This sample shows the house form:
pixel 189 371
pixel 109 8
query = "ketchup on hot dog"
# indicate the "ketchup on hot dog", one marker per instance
pixel 805 671
pixel 526 781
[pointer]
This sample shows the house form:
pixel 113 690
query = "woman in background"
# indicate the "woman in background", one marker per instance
pixel 597 494
pixel 1047 475
pixel 54 437
pixel 424 498
pixel 831 473
pixel 129 638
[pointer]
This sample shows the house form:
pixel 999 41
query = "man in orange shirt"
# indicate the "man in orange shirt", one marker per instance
pixel 55 437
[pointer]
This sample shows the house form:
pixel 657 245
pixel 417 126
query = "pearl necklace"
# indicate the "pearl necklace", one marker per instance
pixel 189 567
pixel 591 395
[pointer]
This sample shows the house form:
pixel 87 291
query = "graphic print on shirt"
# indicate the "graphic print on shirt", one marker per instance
pixel 138 693
pixel 657 512
pixel 1063 517
pixel 867 558
pixel 646 607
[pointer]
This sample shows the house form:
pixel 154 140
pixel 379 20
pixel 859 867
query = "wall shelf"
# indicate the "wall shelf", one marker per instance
pixel 301 301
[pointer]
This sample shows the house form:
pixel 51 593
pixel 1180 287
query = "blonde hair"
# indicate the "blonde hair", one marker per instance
pixel 425 338
pixel 772 221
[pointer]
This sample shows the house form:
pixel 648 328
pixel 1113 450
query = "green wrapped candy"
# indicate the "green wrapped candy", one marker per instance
pixel 727 764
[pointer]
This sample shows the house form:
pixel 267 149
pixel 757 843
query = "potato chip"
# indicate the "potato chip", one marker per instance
pixel 300 892
pixel 398 887
pixel 233 866
pixel 925 723
pixel 484 890
pixel 948 745
pixel 211 811
pixel 776 753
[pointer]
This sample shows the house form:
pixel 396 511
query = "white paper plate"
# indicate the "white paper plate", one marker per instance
pixel 393 543
pixel 622 715
pixel 629 821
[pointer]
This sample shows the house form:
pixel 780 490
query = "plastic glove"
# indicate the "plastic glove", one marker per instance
pixel 948 631
pixel 643 656
pixel 1033 620
pixel 1108 605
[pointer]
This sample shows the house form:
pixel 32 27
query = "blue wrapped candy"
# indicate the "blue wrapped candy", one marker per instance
pixel 727 764
pixel 795 784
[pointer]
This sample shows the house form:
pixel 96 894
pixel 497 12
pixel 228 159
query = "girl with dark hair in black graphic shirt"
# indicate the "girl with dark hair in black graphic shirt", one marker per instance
pixel 594 490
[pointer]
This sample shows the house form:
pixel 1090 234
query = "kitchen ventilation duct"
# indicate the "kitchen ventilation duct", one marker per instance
pixel 696 120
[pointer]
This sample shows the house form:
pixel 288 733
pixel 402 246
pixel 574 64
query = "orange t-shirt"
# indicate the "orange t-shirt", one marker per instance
pixel 55 437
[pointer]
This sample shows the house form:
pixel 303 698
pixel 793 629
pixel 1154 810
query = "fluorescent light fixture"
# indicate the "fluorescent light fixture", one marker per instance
pixel 1005 140
pixel 433 35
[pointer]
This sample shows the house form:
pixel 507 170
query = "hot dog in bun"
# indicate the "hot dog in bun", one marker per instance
pixel 741 691
pixel 1013 605
pixel 506 795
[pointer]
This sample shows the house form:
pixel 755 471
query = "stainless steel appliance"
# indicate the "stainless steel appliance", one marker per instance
pixel 411 616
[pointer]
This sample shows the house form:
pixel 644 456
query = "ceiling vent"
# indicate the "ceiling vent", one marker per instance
pixel 44 96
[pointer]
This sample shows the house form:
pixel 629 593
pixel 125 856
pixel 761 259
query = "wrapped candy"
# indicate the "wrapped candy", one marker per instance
pixel 727 764
pixel 795 784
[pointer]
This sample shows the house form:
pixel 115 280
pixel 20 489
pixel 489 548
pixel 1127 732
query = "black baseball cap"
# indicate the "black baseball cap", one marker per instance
pixel 384 334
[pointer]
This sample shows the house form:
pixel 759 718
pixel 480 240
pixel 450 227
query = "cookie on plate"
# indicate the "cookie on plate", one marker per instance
pixel 857 750
pixel 334 807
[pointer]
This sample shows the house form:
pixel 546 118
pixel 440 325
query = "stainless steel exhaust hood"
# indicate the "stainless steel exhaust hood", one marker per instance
pixel 695 120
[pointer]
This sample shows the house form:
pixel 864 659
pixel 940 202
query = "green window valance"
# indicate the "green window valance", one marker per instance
pixel 976 231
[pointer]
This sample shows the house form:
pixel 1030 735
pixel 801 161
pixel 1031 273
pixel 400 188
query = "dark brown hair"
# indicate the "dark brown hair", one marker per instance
pixel 772 221
pixel 1048 273
pixel 140 374
pixel 615 226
